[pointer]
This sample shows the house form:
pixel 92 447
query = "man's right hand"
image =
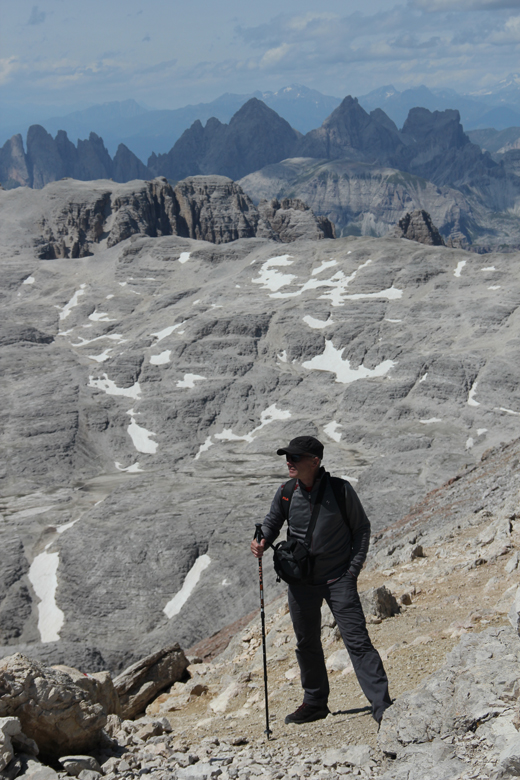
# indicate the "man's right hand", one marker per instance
pixel 257 548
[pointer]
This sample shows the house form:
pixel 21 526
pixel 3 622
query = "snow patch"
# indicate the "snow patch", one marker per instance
pixel 470 442
pixel 471 396
pixel 204 447
pixel 108 297
pixel 330 430
pixel 317 324
pixel 102 357
pixel 100 316
pixel 489 268
pixel 141 436
pixel 330 360
pixel 282 356
pixel 29 280
pixel 269 415
pixel 509 411
pixel 161 334
pixel 481 431
pixel 494 287
pixel 185 256
pixel 43 576
pixel 189 380
pixel 159 360
pixel 457 272
pixel 65 527
pixel 349 479
pixel 431 420
pixel 133 469
pixel 323 266
pixel 339 282
pixel 174 606
pixel 110 387
pixel 66 310
pixel 387 319
pixel 423 377
pixel 270 278
pixel 112 336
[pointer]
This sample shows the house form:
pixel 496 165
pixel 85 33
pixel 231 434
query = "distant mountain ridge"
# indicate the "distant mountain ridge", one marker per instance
pixel 475 204
pixel 145 131
pixel 50 159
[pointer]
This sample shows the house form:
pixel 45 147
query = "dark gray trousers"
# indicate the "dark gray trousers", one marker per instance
pixel 342 597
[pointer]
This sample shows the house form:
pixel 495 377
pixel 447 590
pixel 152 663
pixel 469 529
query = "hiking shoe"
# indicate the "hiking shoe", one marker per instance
pixel 306 713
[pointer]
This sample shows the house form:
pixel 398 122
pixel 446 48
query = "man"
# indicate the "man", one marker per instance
pixel 339 551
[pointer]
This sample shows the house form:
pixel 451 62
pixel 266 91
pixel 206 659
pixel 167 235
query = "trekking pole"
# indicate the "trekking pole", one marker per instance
pixel 258 537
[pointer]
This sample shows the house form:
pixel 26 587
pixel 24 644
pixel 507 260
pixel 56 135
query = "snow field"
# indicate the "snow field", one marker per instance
pixel 174 606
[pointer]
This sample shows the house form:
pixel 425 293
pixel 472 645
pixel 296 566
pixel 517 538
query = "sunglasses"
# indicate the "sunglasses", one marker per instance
pixel 297 458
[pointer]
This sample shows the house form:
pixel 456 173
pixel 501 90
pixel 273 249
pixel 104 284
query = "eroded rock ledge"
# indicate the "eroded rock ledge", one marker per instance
pixel 208 208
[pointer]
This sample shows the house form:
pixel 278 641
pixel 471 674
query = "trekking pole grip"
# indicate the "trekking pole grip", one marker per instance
pixel 259 535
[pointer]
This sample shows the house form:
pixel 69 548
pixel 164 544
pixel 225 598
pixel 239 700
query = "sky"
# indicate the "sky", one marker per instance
pixel 65 54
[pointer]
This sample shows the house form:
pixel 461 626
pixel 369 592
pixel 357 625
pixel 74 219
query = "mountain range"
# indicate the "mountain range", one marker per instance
pixel 145 131
pixel 357 169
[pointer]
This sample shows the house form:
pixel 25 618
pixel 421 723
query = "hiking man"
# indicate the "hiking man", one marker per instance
pixel 339 547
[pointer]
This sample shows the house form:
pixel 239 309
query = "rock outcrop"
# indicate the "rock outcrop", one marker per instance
pixel 206 208
pixel 291 219
pixel 138 685
pixel 256 136
pixel 418 226
pixel 53 711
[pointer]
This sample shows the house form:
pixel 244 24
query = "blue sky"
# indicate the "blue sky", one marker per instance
pixel 64 53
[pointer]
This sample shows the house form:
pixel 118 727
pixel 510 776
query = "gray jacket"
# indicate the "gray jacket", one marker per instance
pixel 336 547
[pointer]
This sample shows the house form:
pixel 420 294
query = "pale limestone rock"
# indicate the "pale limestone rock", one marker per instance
pixel 73 765
pixel 53 711
pixel 222 701
pixel 339 661
pixel 98 685
pixel 514 612
pixel 142 681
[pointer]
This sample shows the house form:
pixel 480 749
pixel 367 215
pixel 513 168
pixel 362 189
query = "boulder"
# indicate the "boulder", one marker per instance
pixel 74 765
pixel 142 681
pixel 99 687
pixel 418 226
pixel 53 711
pixel 379 602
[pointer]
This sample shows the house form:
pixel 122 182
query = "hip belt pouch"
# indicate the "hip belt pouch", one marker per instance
pixel 293 561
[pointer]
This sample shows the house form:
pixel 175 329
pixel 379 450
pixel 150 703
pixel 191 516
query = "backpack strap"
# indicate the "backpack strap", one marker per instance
pixel 338 488
pixel 287 494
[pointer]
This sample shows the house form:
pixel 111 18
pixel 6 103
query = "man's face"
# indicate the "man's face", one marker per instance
pixel 305 469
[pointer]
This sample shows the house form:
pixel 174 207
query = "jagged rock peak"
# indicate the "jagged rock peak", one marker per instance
pixel 49 159
pixel 255 136
pixel 349 131
pixel 418 226
pixel 436 128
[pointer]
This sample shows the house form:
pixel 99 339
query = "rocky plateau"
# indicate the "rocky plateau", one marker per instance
pixel 151 375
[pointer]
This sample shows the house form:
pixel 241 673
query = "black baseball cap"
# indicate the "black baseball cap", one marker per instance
pixel 303 445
